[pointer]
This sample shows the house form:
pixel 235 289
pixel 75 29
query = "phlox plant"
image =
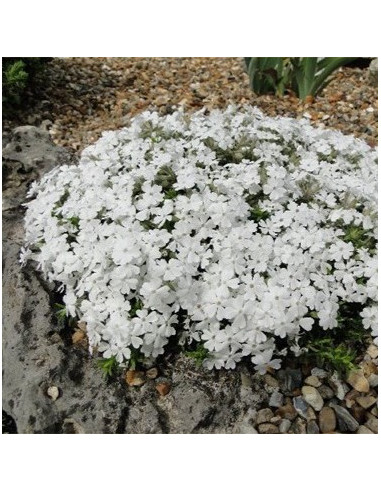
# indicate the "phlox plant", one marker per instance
pixel 230 231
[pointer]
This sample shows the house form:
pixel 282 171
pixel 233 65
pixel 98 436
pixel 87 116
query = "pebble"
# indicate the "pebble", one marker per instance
pixel 287 411
pixel 358 381
pixel 53 392
pixel 345 420
pixel 284 426
pixel 301 406
pixel 366 401
pixel 364 430
pixel 163 388
pixel 319 373
pixel 372 424
pixel 264 415
pixel 299 426
pixel 340 388
pixel 290 379
pixel 326 392
pixel 373 380
pixel 276 399
pixel 313 381
pixel 268 429
pixel 152 373
pixel 358 413
pixel 350 398
pixel 271 381
pixel 327 420
pixel 372 350
pixel 312 397
pixel 312 427
pixel 135 378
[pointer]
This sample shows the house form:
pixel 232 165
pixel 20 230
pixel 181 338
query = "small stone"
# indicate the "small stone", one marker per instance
pixel 312 427
pixel 319 373
pixel 372 424
pixel 264 415
pixel 275 420
pixel 350 398
pixel 358 413
pixel 340 388
pixel 135 378
pixel 327 420
pixel 372 351
pixel 366 401
pixel 326 392
pixel 53 392
pixel 268 429
pixel 78 337
pixel 163 388
pixel 312 397
pixel 364 430
pixel 374 411
pixel 298 426
pixel 245 380
pixel 271 381
pixel 368 367
pixel 373 380
pixel 152 373
pixel 287 411
pixel 290 379
pixel 358 381
pixel 301 406
pixel 313 381
pixel 276 399
pixel 284 426
pixel 345 419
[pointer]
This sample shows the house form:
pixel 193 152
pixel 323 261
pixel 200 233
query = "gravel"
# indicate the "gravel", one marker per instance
pixel 82 97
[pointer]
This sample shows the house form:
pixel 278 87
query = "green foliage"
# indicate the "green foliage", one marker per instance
pixel 338 348
pixel 306 77
pixel 199 354
pixel 18 74
pixel 339 357
pixel 108 366
pixel 14 81
pixel 61 312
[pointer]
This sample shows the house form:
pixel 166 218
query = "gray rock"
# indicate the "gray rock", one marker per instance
pixel 290 379
pixel 284 426
pixel 276 399
pixel 312 427
pixel 345 420
pixel 326 392
pixel 373 72
pixel 340 389
pixel 301 406
pixel 319 373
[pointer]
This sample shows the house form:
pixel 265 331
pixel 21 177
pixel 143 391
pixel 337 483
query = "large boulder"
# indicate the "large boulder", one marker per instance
pixel 51 385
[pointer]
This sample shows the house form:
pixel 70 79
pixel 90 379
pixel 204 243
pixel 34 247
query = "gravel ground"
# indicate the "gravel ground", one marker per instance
pixel 82 97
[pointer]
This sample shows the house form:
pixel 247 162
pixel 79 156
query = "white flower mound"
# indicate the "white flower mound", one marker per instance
pixel 232 229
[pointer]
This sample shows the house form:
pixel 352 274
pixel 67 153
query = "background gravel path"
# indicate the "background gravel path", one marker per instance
pixel 82 97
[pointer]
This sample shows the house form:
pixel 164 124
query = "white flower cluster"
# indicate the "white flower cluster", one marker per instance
pixel 231 229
